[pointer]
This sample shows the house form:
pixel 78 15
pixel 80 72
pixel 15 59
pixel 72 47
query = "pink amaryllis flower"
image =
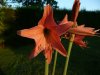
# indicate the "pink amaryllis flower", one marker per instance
pixel 80 31
pixel 45 35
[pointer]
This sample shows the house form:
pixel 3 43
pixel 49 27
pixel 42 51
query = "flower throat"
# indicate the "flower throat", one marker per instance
pixel 46 32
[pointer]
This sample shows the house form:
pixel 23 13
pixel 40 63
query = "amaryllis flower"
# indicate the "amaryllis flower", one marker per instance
pixel 78 38
pixel 45 35
pixel 80 31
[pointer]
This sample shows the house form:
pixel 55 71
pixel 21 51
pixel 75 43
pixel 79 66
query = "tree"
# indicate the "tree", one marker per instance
pixel 37 3
pixel 7 17
pixel 2 2
pixel 53 3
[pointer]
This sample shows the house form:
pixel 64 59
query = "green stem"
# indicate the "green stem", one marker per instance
pixel 55 60
pixel 46 68
pixel 68 55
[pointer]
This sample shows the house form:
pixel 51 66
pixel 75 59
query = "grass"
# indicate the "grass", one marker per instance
pixel 14 61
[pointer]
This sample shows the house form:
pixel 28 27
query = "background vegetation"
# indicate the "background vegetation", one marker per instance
pixel 14 50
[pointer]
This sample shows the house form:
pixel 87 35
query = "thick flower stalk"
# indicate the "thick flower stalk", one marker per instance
pixel 75 11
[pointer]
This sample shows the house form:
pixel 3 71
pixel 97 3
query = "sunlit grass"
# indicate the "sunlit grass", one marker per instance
pixel 12 63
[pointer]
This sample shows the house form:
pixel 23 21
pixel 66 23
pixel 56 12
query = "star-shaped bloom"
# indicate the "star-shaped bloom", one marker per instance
pixel 80 31
pixel 45 35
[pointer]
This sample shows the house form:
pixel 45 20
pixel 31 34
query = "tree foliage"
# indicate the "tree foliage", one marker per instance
pixel 38 3
pixel 2 2
pixel 6 18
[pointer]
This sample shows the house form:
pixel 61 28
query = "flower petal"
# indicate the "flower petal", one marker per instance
pixel 32 33
pixel 75 10
pixel 40 46
pixel 81 30
pixel 64 21
pixel 78 40
pixel 55 42
pixel 61 29
pixel 64 25
pixel 48 54
pixel 35 33
pixel 47 20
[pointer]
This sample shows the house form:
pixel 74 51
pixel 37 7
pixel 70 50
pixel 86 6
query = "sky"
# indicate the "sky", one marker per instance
pixel 85 4
pixel 89 5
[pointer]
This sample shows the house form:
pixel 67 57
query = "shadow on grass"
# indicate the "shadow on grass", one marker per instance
pixel 1 72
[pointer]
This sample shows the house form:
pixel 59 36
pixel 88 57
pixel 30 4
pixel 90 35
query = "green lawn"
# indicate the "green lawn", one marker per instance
pixel 83 61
